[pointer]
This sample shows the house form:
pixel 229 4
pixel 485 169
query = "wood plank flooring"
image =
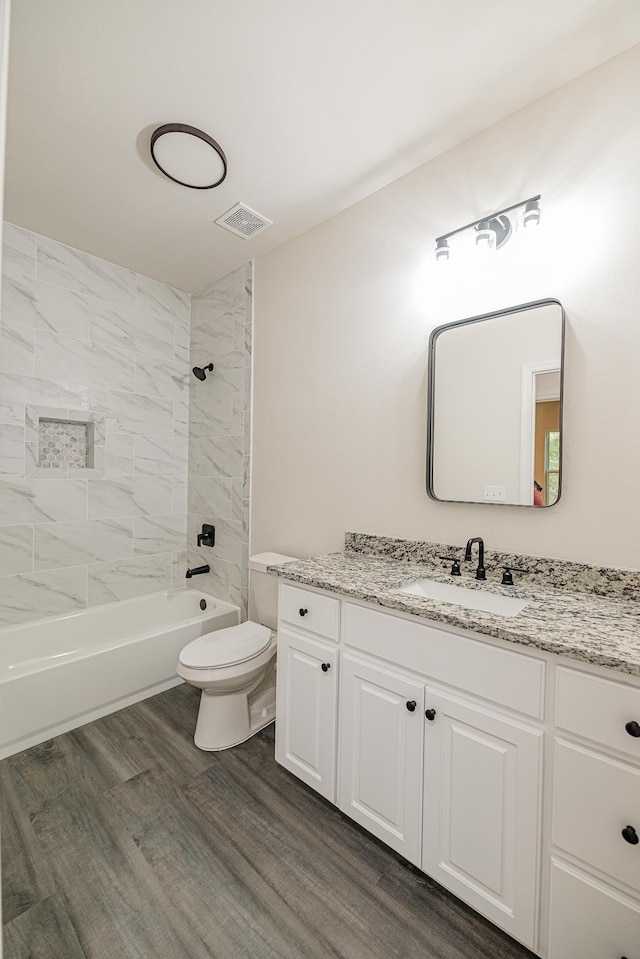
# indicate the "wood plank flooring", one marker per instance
pixel 121 840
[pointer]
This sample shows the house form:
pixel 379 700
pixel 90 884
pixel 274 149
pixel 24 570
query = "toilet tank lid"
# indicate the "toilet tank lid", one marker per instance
pixel 261 560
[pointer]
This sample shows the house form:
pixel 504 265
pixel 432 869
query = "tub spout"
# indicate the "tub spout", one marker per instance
pixel 197 571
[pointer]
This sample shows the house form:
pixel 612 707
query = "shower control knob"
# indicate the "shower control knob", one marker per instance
pixel 430 714
pixel 630 835
pixel 411 705
pixel 326 667
pixel 633 728
pixel 303 612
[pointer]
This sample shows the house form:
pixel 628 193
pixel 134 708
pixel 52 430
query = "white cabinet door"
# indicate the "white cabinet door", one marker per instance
pixel 481 811
pixel 381 730
pixel 306 710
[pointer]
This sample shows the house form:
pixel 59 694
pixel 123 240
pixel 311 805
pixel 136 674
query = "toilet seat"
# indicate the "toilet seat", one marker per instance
pixel 226 647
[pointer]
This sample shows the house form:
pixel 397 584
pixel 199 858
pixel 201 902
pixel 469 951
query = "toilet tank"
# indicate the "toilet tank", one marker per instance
pixel 263 588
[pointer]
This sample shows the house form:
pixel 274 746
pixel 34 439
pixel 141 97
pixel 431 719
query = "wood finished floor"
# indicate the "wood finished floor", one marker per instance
pixel 121 840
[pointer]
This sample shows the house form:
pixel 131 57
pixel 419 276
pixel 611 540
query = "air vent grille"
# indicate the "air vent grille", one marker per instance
pixel 243 221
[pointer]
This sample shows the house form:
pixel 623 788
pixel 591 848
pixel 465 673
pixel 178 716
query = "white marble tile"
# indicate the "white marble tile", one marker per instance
pixel 31 501
pixel 119 454
pixel 124 579
pixel 16 550
pixel 31 302
pixel 162 300
pixel 181 345
pixel 129 497
pixel 18 249
pixel 215 414
pixel 228 373
pixel 18 390
pixel 17 348
pixel 210 495
pixel 216 582
pixel 181 418
pixel 178 568
pixel 179 498
pixel 236 499
pixel 160 456
pixel 127 329
pixel 130 413
pixel 12 414
pixel 76 270
pixel 12 449
pixel 221 296
pixel 90 541
pixel 213 338
pixel 246 476
pixel 36 595
pixel 165 378
pixel 159 534
pixel 85 364
pixel 216 456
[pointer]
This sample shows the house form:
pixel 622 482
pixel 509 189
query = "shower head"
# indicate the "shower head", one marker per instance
pixel 200 371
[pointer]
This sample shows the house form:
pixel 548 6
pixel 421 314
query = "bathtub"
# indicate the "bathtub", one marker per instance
pixel 64 671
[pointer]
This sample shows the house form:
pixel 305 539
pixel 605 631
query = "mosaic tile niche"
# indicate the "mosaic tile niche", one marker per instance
pixel 65 444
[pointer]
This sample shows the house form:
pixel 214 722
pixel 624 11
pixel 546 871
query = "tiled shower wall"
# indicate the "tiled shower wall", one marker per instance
pixel 220 434
pixel 86 340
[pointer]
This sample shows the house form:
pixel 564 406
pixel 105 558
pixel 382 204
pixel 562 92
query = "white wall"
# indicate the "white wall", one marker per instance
pixel 343 315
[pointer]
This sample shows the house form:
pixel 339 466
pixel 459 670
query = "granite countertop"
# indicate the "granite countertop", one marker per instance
pixel 604 630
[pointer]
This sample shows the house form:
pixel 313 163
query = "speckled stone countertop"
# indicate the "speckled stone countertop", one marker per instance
pixel 600 629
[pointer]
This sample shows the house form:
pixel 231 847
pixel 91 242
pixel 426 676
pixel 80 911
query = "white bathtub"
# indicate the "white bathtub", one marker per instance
pixel 65 671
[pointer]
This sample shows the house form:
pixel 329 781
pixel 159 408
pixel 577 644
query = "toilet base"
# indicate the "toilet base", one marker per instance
pixel 226 721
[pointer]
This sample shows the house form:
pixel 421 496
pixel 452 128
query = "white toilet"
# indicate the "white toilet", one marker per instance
pixel 235 667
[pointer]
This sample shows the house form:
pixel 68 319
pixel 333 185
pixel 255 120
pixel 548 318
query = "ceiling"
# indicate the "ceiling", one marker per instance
pixel 316 104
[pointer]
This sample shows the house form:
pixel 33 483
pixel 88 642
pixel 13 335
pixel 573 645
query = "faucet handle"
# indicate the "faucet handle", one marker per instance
pixel 507 578
pixel 455 567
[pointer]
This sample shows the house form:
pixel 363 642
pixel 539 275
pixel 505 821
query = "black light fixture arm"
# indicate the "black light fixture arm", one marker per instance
pixel 488 217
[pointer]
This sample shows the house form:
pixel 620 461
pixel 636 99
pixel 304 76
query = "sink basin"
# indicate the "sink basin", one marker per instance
pixel 468 598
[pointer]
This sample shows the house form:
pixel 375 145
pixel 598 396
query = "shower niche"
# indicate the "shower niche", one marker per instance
pixel 64 443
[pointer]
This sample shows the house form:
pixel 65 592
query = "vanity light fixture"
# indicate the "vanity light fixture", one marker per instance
pixel 492 232
pixel 188 156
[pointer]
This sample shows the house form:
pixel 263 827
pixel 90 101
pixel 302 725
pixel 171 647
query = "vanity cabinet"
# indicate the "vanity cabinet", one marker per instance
pixel 482 809
pixel 306 710
pixel 595 871
pixel 380 748
pixel 507 774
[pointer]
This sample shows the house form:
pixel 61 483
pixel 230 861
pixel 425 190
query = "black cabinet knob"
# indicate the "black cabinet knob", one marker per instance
pixel 411 705
pixel 633 728
pixel 303 612
pixel 430 714
pixel 326 667
pixel 630 835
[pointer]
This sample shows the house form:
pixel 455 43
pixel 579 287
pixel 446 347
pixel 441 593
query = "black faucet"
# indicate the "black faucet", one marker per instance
pixel 480 572
pixel 198 571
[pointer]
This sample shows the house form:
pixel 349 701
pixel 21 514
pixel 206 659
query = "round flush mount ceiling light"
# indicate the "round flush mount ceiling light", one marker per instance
pixel 188 156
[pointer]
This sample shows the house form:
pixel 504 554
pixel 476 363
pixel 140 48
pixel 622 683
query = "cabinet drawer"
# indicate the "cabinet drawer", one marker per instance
pixel 599 709
pixel 310 611
pixel 595 798
pixel 590 920
pixel 499 675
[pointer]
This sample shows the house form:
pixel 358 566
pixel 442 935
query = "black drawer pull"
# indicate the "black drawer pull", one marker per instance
pixel 430 714
pixel 303 612
pixel 326 667
pixel 630 835
pixel 411 705
pixel 633 728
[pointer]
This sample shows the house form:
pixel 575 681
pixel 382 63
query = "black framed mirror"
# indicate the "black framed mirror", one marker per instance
pixel 494 424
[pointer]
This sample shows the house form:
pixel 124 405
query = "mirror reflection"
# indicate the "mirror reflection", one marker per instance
pixel 495 407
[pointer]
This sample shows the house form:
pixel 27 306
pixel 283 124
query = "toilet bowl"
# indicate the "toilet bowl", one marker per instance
pixel 235 667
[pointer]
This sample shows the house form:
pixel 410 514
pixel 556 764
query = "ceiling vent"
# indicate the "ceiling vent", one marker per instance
pixel 243 221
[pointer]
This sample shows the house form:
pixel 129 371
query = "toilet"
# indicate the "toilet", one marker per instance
pixel 235 667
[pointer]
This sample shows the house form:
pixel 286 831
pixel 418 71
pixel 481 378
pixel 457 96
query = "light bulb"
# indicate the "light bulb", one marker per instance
pixel 485 236
pixel 442 249
pixel 531 215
